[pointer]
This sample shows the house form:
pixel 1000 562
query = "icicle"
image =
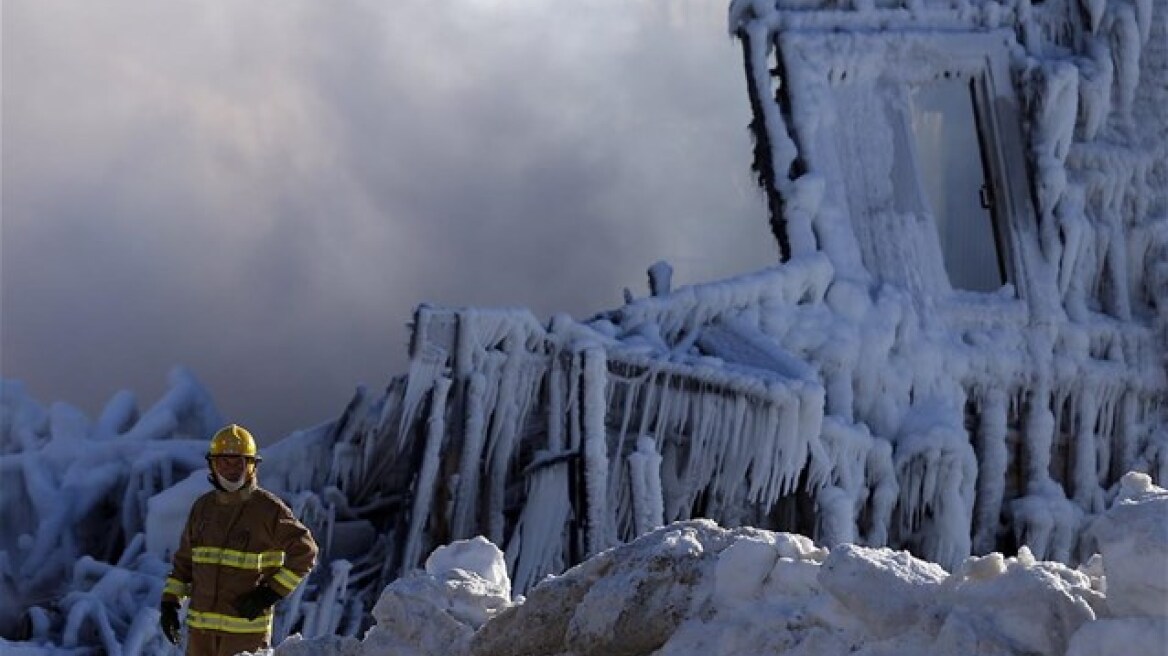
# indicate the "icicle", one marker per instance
pixel 838 356
pixel 645 477
pixel 290 610
pixel 786 467
pixel 881 478
pixel 1128 432
pixel 555 414
pixel 501 441
pixel 704 422
pixel 1105 436
pixel 1094 10
pixel 1096 76
pixel 324 617
pixel 595 449
pixel 1154 457
pixel 673 491
pixel 466 500
pixel 1126 37
pixel 835 523
pixel 991 479
pixel 653 388
pixel 765 479
pixel 810 398
pixel 346 469
pixel 424 486
pixel 729 463
pixel 937 470
pixel 667 400
pixel 633 388
pixel 1046 522
pixel 1040 429
pixel 841 457
pixel 425 368
pixel 535 548
pixel 1087 493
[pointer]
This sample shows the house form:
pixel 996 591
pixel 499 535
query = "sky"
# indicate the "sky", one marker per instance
pixel 264 191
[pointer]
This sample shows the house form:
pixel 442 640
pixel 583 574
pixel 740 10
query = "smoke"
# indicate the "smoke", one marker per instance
pixel 264 191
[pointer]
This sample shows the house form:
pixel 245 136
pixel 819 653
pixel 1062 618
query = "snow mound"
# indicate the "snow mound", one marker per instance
pixel 694 588
pixel 1133 539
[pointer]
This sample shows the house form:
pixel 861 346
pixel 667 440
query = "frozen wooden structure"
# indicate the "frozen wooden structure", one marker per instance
pixel 961 349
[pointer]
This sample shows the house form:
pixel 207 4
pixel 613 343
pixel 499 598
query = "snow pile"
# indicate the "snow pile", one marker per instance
pixel 694 588
pixel 1133 541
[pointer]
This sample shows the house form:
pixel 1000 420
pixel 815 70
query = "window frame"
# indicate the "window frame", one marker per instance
pixel 817 62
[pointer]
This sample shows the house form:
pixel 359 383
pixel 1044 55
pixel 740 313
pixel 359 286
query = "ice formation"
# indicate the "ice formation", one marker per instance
pixel 858 392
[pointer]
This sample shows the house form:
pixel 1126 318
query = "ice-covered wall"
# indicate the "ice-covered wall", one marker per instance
pixel 1057 381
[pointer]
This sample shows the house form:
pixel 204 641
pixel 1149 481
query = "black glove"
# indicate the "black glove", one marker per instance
pixel 171 627
pixel 252 604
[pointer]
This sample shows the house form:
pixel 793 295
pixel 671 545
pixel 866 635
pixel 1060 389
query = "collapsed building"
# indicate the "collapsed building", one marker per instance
pixel 960 349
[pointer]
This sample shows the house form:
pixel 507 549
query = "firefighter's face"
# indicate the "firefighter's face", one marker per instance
pixel 231 468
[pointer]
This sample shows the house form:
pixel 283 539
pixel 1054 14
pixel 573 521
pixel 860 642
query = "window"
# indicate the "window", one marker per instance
pixel 921 134
pixel 953 178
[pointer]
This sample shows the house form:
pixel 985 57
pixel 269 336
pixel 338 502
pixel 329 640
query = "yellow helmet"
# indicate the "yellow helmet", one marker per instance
pixel 233 440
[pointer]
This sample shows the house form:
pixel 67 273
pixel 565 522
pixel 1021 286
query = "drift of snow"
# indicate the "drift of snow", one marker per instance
pixel 696 589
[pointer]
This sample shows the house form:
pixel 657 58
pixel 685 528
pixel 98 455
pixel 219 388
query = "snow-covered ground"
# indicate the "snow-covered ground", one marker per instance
pixel 695 589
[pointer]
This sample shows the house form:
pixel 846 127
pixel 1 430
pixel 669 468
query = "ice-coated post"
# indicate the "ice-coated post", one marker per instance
pixel 660 278
pixel 595 448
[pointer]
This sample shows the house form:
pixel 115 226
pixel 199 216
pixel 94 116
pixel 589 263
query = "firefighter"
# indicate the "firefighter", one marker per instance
pixel 242 550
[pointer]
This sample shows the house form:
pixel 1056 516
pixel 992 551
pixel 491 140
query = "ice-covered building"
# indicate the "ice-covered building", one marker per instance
pixel 960 349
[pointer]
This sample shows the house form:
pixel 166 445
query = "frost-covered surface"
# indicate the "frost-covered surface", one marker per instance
pixel 1030 401
pixel 849 394
pixel 688 588
pixel 694 588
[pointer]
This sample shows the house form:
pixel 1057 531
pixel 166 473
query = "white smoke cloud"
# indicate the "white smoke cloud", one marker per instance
pixel 264 191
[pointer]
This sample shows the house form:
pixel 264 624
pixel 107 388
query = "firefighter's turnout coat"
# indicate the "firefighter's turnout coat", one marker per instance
pixel 233 542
